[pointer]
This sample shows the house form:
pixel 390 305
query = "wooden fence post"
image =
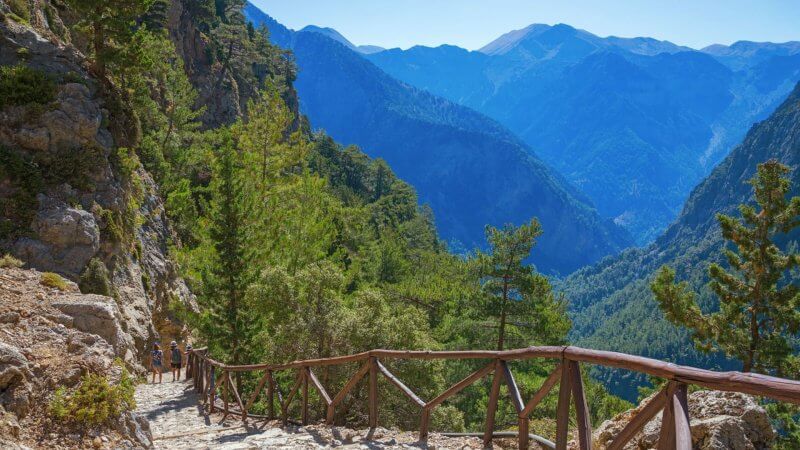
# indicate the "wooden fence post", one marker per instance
pixel 373 392
pixel 225 392
pixel 424 423
pixel 562 413
pixel 270 395
pixel 680 414
pixel 212 394
pixel 581 409
pixel 491 408
pixel 523 425
pixel 199 385
pixel 305 396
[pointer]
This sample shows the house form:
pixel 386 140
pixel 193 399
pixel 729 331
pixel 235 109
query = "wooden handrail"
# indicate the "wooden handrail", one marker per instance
pixel 673 400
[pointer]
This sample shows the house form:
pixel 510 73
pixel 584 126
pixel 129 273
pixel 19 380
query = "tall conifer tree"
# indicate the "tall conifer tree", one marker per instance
pixel 111 23
pixel 228 273
pixel 515 295
pixel 759 313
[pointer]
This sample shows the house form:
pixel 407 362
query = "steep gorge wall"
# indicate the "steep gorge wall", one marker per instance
pixel 68 194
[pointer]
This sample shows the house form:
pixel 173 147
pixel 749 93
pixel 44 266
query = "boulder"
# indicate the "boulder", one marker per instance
pixel 137 427
pixel 67 239
pixel 99 315
pixel 718 420
pixel 14 375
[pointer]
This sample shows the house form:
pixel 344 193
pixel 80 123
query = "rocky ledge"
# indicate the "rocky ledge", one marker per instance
pixel 718 420
pixel 49 338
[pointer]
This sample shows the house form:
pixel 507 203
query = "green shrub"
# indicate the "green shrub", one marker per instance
pixel 73 77
pixel 95 280
pixel 73 165
pixel 95 401
pixel 8 261
pixel 146 281
pixel 54 280
pixel 21 85
pixel 18 209
pixel 21 10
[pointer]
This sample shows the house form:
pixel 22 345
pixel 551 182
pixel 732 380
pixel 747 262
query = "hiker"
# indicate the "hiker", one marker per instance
pixel 156 362
pixel 176 358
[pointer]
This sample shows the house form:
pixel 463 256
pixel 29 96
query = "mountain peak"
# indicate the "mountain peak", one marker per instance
pixel 331 33
pixel 338 37
pixel 509 40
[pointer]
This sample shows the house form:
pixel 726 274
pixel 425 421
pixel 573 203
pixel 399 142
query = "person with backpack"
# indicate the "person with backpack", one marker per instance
pixel 176 359
pixel 156 362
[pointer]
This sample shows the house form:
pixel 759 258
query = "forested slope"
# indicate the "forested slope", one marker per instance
pixel 612 299
pixel 468 168
pixel 634 123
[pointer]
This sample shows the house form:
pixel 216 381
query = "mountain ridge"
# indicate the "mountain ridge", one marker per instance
pixel 585 103
pixel 469 168
pixel 336 36
pixel 610 299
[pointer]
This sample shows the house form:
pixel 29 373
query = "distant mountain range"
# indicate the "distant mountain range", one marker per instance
pixel 470 169
pixel 635 123
pixel 611 300
pixel 336 36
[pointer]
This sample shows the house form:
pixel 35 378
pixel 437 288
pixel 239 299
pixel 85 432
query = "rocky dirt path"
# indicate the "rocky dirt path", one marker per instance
pixel 178 422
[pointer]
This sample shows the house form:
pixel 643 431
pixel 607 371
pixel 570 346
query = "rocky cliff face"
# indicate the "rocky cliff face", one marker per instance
pixel 224 91
pixel 49 338
pixel 70 195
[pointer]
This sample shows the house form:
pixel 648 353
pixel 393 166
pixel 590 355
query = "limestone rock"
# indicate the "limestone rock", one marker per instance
pixel 68 239
pixel 99 315
pixel 718 420
pixel 14 375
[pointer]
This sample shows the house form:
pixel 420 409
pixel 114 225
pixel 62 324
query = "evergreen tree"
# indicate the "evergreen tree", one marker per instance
pixel 228 273
pixel 520 299
pixel 111 23
pixel 759 314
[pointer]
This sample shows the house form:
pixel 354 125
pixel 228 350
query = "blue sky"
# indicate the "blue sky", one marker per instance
pixel 474 23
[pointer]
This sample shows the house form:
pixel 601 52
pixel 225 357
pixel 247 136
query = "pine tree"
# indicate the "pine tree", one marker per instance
pixel 111 23
pixel 228 274
pixel 759 312
pixel 520 299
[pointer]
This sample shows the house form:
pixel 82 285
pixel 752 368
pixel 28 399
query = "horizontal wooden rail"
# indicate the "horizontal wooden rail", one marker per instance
pixel 212 377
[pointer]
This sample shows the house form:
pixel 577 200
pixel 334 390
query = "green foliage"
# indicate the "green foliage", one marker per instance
pixel 517 298
pixel 110 24
pixel 7 261
pixel 54 281
pixel 18 207
pixel 22 10
pixel 229 272
pixel 95 401
pixel 22 85
pixel 785 420
pixel 295 246
pixel 95 279
pixel 759 311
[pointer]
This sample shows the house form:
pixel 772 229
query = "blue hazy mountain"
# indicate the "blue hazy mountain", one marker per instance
pixel 469 168
pixel 611 299
pixel 336 36
pixel 634 123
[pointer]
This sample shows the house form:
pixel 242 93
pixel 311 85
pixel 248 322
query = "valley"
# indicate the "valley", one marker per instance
pixel 363 246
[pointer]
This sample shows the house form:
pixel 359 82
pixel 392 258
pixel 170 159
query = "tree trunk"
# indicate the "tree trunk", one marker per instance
pixel 502 337
pixel 99 47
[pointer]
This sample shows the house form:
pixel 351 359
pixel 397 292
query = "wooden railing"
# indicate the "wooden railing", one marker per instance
pixel 211 377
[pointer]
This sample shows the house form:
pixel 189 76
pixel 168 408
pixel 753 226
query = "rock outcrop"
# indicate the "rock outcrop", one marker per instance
pixel 50 338
pixel 79 202
pixel 719 421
